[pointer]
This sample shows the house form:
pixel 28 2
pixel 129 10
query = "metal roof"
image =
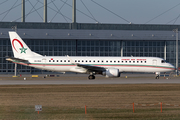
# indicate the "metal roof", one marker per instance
pixel 88 26
pixel 89 31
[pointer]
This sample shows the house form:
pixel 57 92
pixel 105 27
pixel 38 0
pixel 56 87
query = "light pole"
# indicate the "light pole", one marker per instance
pixel 176 31
pixel 15 67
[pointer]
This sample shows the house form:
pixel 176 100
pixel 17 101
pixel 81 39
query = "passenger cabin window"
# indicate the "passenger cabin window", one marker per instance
pixel 107 61
pixel 129 61
pixel 49 60
pixel 57 61
pixel 144 61
pixel 90 61
pixel 53 60
pixel 163 61
pixel 122 61
pixel 64 60
pixel 68 60
pixel 137 61
pixel 75 60
pixel 102 61
pixel 133 61
pixel 78 60
pixel 61 60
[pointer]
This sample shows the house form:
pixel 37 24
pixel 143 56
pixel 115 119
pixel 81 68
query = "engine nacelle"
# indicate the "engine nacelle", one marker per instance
pixel 112 72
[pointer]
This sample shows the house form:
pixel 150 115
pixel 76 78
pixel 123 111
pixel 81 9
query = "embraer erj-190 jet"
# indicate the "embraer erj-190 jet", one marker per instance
pixel 107 66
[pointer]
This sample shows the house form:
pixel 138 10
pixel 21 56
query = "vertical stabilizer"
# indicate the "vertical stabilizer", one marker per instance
pixel 20 49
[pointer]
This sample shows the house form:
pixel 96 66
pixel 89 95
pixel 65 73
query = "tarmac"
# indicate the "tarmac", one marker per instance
pixel 73 79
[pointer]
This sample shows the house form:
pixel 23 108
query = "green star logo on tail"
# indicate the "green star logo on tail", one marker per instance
pixel 23 50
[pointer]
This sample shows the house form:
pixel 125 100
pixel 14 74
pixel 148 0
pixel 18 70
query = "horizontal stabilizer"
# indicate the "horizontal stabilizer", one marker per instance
pixel 12 59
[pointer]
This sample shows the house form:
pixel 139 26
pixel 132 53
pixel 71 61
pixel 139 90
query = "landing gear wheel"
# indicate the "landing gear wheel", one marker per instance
pixel 157 77
pixel 91 77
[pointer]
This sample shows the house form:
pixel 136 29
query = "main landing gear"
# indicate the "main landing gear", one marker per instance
pixel 91 77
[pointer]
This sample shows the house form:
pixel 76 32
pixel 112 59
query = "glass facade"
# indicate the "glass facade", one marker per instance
pixel 56 47
pixel 171 52
pixel 98 48
pixel 144 48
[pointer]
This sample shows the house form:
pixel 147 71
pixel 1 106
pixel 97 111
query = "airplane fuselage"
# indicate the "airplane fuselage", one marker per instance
pixel 124 64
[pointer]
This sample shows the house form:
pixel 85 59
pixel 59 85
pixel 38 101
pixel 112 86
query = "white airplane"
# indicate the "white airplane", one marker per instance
pixel 107 66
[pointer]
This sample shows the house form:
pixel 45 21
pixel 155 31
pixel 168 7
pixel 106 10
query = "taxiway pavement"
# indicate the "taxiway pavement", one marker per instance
pixel 82 79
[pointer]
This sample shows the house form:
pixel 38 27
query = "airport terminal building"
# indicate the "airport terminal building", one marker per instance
pixel 83 39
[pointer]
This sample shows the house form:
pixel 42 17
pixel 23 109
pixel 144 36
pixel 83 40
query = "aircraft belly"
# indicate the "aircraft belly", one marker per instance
pixel 144 69
pixel 54 68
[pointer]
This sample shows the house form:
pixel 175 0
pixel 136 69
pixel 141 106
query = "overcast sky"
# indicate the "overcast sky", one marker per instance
pixel 113 11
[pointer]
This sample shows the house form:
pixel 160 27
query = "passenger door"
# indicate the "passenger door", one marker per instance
pixel 154 62
pixel 44 62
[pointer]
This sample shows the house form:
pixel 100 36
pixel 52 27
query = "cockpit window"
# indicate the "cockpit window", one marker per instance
pixel 163 61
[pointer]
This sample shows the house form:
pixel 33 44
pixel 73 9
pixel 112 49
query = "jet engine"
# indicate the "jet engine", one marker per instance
pixel 112 72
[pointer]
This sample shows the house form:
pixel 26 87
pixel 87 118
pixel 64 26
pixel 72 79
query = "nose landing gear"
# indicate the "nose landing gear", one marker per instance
pixel 157 75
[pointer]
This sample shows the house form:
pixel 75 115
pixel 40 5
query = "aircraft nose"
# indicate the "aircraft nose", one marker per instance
pixel 174 68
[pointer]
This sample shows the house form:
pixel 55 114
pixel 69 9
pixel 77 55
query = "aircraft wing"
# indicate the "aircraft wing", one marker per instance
pixel 91 67
pixel 16 59
pixel 88 67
